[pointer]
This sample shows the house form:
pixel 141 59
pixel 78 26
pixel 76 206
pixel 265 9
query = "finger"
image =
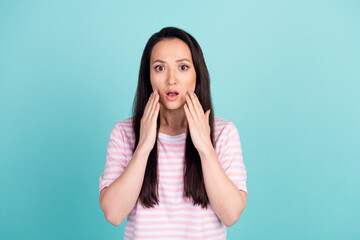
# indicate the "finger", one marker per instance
pixel 197 105
pixel 155 113
pixel 188 114
pixel 153 104
pixel 190 107
pixel 207 114
pixel 197 110
pixel 148 105
pixel 146 110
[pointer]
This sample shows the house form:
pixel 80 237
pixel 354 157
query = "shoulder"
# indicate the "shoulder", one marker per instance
pixel 226 137
pixel 225 132
pixel 220 122
pixel 124 128
pixel 223 126
pixel 125 122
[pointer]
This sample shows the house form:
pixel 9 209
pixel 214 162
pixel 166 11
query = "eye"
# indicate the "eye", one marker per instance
pixel 186 67
pixel 158 67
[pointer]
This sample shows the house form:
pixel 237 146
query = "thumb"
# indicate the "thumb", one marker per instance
pixel 207 114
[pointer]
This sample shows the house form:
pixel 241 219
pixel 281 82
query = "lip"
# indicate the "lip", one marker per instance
pixel 171 98
pixel 171 90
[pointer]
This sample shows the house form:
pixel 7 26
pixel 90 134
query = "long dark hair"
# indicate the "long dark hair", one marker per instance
pixel 194 186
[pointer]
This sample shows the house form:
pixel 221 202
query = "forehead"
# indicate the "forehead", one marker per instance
pixel 170 49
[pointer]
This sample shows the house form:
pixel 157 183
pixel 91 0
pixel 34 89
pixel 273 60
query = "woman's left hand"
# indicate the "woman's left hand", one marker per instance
pixel 198 123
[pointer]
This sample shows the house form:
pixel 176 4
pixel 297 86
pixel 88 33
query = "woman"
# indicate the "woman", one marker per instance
pixel 174 170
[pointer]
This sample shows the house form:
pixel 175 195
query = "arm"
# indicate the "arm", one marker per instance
pixel 120 197
pixel 225 198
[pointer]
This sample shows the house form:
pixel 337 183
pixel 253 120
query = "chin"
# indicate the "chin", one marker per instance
pixel 173 106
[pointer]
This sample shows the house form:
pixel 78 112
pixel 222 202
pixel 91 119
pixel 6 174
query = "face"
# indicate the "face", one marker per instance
pixel 172 72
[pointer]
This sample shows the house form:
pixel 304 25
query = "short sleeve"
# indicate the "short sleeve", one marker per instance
pixel 115 158
pixel 230 156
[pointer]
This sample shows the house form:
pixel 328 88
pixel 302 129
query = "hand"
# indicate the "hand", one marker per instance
pixel 148 123
pixel 198 122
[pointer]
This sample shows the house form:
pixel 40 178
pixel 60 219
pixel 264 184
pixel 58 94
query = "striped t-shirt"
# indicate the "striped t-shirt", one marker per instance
pixel 175 217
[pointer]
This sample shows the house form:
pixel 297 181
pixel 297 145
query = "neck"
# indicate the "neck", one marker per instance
pixel 172 121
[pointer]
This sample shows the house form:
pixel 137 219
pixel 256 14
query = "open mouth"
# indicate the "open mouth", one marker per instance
pixel 172 93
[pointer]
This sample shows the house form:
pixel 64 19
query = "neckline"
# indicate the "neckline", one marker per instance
pixel 165 136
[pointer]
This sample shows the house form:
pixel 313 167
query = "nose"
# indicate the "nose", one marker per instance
pixel 172 77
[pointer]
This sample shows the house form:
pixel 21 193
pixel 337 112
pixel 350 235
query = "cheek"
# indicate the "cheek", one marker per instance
pixel 191 81
pixel 154 80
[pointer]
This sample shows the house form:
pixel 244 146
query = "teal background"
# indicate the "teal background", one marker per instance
pixel 287 73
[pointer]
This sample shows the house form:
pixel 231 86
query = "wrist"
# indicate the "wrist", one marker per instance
pixel 206 151
pixel 140 150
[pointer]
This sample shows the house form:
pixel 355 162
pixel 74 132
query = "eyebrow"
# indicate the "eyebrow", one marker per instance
pixel 179 60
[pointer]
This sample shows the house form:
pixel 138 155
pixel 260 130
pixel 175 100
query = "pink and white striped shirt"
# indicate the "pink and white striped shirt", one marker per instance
pixel 175 217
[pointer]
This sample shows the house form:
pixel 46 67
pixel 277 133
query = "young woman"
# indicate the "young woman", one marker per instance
pixel 174 170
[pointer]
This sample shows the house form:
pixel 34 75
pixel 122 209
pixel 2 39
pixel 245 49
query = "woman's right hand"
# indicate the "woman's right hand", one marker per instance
pixel 148 124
